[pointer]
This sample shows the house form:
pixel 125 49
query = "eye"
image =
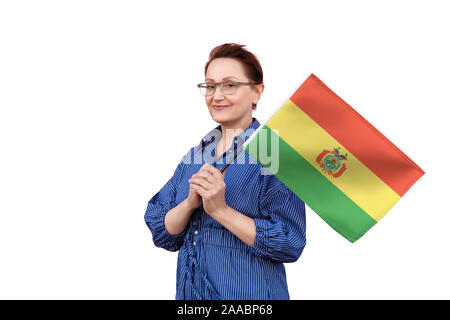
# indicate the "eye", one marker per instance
pixel 209 86
pixel 230 84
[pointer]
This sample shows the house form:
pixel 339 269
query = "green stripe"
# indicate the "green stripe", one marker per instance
pixel 321 195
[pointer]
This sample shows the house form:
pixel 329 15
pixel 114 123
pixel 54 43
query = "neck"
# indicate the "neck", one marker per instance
pixel 229 131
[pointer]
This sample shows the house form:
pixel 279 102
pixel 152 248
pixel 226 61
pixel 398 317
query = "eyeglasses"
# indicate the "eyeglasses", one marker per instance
pixel 226 87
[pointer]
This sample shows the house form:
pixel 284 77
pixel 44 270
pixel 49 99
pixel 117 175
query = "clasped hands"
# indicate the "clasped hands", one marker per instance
pixel 209 185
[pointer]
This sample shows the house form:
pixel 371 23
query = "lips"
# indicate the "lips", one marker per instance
pixel 219 107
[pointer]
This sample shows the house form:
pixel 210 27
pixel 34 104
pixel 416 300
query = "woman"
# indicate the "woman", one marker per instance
pixel 233 230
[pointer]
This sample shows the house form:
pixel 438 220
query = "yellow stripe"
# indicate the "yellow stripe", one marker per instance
pixel 309 139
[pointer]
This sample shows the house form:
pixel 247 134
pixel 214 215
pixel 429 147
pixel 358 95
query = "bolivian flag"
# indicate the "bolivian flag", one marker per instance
pixel 333 159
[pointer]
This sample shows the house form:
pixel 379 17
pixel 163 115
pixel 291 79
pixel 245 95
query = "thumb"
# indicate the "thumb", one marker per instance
pixel 222 174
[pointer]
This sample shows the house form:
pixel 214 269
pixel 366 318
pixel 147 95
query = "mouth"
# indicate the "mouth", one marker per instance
pixel 219 107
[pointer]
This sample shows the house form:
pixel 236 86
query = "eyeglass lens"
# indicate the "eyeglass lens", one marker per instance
pixel 208 89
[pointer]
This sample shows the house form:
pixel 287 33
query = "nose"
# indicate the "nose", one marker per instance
pixel 218 94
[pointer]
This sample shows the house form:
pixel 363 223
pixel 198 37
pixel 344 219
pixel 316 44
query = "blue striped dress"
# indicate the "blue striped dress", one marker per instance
pixel 212 262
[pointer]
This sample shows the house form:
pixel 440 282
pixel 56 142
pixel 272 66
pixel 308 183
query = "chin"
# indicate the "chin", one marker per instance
pixel 220 118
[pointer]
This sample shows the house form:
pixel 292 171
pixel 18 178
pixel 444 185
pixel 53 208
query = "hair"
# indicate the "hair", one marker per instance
pixel 252 67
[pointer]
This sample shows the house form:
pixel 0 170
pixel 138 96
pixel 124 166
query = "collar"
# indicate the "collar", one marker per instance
pixel 216 133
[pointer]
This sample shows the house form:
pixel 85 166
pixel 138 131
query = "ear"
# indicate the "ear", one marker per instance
pixel 259 91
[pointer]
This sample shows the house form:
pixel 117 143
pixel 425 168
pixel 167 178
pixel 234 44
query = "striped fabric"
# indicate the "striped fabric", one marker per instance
pixel 212 262
pixel 335 160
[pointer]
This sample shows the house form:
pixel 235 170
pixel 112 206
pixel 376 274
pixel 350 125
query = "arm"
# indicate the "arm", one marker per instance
pixel 279 235
pixel 209 183
pixel 281 232
pixel 277 238
pixel 237 223
pixel 177 218
pixel 163 204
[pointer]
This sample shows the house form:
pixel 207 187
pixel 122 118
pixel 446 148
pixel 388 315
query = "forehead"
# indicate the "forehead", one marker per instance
pixel 225 69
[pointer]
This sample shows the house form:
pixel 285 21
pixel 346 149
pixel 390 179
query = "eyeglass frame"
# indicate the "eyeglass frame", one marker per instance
pixel 228 81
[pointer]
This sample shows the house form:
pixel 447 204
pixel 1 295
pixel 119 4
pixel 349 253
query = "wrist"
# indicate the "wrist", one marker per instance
pixel 220 213
pixel 188 205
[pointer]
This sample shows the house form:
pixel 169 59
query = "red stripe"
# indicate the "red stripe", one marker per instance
pixel 357 135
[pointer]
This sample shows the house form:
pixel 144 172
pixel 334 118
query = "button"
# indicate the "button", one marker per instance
pixel 195 232
pixel 194 243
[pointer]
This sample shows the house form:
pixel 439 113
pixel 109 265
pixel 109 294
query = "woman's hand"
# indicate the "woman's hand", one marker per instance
pixel 193 199
pixel 209 183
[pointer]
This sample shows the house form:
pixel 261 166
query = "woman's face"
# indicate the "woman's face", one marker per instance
pixel 238 105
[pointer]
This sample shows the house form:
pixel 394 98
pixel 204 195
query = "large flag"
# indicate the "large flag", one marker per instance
pixel 333 159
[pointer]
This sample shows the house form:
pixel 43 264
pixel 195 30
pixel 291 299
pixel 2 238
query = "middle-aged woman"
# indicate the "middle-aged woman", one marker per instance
pixel 233 230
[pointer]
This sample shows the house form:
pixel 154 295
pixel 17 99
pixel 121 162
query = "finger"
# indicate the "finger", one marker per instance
pixel 213 171
pixel 216 173
pixel 206 175
pixel 198 189
pixel 205 167
pixel 201 182
pixel 199 172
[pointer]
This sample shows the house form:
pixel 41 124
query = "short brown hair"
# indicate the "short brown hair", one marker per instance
pixel 252 67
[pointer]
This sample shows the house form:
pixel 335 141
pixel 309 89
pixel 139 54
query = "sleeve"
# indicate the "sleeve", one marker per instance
pixel 157 208
pixel 281 231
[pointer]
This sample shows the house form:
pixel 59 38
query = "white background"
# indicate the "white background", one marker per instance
pixel 98 103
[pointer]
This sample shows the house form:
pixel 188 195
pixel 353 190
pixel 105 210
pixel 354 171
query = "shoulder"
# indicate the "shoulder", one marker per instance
pixel 271 187
pixel 187 158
